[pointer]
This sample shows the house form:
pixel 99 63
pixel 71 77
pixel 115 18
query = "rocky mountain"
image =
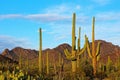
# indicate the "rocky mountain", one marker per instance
pixel 32 55
pixel 106 49
pixel 4 59
pixel 109 49
pixel 15 53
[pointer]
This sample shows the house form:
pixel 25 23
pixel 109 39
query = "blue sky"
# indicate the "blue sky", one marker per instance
pixel 21 19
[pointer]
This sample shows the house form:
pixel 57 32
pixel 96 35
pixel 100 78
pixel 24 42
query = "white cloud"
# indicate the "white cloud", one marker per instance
pixel 63 9
pixel 8 16
pixel 115 40
pixel 60 37
pixel 102 2
pixel 47 17
pixel 78 7
pixel 56 13
pixel 108 16
pixel 58 9
pixel 11 42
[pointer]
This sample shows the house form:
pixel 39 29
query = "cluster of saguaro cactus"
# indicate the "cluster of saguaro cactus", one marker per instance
pixel 95 53
pixel 73 56
pixel 75 52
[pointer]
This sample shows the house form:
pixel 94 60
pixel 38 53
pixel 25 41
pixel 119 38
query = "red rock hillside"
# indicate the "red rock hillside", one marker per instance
pixel 106 49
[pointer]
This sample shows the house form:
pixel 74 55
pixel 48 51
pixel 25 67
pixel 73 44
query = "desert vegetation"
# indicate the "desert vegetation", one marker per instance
pixel 82 63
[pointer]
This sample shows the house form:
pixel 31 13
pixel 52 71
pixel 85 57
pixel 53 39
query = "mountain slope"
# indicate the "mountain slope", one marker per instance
pixel 4 59
pixel 32 55
pixel 106 49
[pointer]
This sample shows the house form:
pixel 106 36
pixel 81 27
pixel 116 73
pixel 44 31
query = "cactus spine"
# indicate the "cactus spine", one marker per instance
pixel 40 50
pixel 74 53
pixel 95 54
pixel 47 63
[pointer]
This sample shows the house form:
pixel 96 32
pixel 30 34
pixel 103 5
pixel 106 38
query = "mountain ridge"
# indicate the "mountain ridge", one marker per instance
pixel 106 49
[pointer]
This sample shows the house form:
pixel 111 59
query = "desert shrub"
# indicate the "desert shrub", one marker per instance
pixel 87 68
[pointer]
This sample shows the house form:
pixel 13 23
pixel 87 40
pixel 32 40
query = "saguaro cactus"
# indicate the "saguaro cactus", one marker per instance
pixel 60 58
pixel 109 65
pixel 47 63
pixel 40 50
pixel 95 53
pixel 74 53
pixel 61 62
pixel 78 48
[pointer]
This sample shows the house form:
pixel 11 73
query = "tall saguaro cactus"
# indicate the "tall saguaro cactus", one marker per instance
pixel 95 53
pixel 78 48
pixel 74 64
pixel 60 58
pixel 40 50
pixel 74 53
pixel 47 63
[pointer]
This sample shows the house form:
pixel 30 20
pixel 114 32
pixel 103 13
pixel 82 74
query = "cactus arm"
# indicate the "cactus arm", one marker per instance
pixel 78 46
pixel 88 50
pixel 73 58
pixel 69 56
pixel 98 49
pixel 67 53
pixel 85 45
pixel 93 37
pixel 98 57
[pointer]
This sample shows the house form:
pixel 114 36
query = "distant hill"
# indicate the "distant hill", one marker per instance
pixel 32 55
pixel 15 53
pixel 4 59
pixel 106 49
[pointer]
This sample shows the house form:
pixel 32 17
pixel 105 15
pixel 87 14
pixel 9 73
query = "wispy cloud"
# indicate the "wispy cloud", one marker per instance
pixel 11 42
pixel 60 37
pixel 47 17
pixel 9 16
pixel 108 16
pixel 115 40
pixel 102 2
pixel 63 9
pixel 52 14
